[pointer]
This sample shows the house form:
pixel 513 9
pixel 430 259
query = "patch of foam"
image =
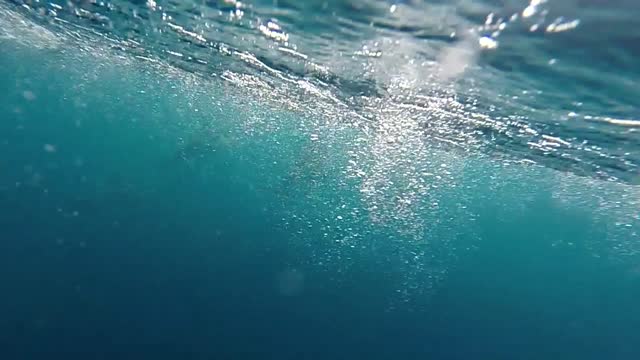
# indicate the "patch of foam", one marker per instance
pixel 16 27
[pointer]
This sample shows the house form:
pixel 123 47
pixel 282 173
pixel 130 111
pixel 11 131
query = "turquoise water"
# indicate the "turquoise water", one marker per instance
pixel 319 180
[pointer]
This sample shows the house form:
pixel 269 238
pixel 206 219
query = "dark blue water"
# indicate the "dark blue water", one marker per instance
pixel 351 182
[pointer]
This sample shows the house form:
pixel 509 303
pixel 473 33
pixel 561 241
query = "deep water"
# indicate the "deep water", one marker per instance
pixel 150 213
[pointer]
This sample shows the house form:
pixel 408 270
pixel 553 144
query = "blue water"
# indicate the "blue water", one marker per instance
pixel 319 180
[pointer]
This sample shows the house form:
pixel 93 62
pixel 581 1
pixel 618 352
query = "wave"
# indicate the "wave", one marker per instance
pixel 551 82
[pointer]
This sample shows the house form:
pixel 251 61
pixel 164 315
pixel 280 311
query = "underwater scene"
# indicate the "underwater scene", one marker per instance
pixel 320 179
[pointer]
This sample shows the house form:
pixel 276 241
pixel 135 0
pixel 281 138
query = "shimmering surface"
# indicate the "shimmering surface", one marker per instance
pixel 502 76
